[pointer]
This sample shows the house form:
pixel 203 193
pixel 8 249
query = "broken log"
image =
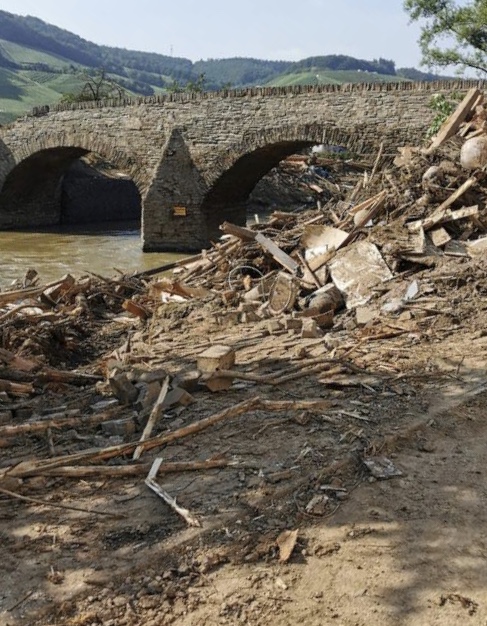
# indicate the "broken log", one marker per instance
pixel 43 425
pixel 26 468
pixel 137 469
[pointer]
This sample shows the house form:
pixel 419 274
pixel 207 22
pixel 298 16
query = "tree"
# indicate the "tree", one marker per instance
pixel 453 33
pixel 97 87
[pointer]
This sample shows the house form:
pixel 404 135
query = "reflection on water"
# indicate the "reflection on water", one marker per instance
pixel 56 251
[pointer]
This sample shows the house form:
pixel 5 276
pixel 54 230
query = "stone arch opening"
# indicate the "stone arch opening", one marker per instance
pixel 66 186
pixel 228 198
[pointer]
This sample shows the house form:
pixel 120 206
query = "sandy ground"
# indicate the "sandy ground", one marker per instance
pixel 410 550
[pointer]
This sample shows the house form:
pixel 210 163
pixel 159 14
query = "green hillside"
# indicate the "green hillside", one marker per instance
pixel 19 94
pixel 331 77
pixel 40 63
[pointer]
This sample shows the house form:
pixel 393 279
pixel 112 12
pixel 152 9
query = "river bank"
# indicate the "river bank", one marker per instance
pixel 289 429
pixel 292 524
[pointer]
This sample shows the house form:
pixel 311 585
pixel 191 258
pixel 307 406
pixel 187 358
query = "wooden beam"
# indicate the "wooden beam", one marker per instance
pixel 452 124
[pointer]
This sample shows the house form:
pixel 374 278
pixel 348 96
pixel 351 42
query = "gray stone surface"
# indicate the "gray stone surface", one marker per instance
pixel 202 152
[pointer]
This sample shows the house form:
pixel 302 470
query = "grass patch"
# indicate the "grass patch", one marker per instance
pixel 24 55
pixel 19 94
pixel 331 77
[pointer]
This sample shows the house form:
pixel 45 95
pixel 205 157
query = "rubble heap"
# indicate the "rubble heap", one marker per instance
pixel 391 260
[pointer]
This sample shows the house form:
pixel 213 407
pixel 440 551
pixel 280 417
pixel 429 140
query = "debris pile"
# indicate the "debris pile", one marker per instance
pixel 283 305
pixel 429 207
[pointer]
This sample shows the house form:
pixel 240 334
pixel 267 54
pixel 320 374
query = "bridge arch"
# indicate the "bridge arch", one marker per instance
pixel 32 191
pixel 242 166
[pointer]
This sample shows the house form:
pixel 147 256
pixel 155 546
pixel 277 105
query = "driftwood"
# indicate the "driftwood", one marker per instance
pixel 42 425
pixel 136 469
pixel 26 469
pixel 17 389
pixel 150 481
pixel 33 468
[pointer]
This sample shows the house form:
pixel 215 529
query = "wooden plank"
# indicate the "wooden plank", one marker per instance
pixel 279 255
pixel 368 215
pixel 13 296
pixel 238 231
pixel 447 215
pixel 440 212
pixel 58 423
pixel 452 124
pixel 153 417
pixel 366 204
pixel 440 237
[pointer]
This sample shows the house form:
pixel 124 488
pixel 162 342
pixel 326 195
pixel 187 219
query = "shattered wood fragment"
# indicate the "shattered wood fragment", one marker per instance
pixel 135 309
pixel 286 542
pixel 440 212
pixel 366 216
pixel 153 417
pixel 150 481
pixel 439 237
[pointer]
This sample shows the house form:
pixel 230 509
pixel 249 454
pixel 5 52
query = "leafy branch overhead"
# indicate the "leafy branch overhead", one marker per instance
pixel 452 33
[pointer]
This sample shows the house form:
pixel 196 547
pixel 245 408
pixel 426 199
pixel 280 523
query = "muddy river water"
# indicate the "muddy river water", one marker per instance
pixel 55 252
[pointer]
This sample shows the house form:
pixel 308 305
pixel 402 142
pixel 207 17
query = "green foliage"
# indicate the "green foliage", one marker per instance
pixel 411 73
pixel 329 77
pixel 95 88
pixel 452 33
pixel 338 62
pixel 444 107
pixel 239 72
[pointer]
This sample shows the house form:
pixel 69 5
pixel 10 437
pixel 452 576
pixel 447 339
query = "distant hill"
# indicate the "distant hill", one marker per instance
pixel 39 63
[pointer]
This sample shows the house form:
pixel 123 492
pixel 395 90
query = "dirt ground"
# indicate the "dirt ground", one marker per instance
pixel 410 550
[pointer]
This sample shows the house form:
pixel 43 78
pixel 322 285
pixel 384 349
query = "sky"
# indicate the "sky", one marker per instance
pixel 287 30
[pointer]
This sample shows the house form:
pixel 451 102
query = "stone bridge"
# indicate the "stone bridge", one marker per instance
pixel 195 158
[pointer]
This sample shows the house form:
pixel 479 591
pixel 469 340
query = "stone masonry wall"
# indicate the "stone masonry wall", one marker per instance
pixel 178 149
